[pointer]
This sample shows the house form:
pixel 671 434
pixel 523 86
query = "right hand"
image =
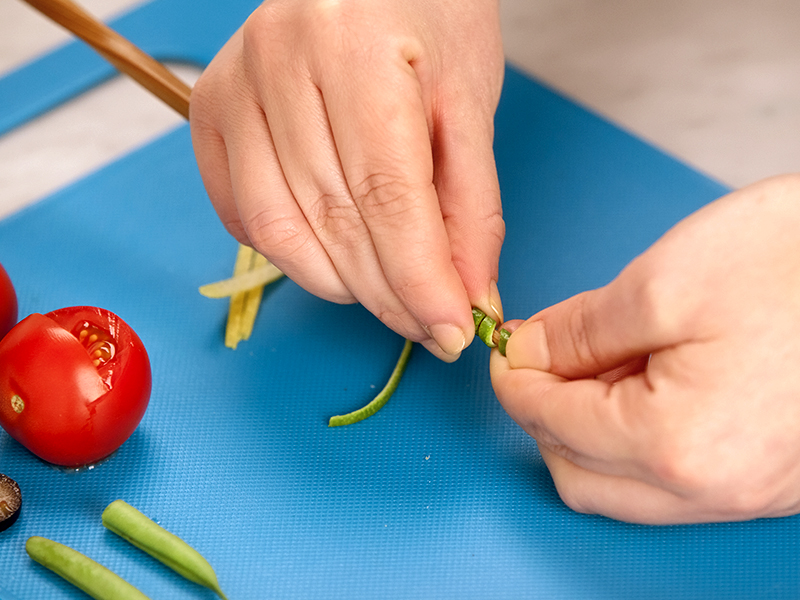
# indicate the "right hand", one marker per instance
pixel 672 394
pixel 350 142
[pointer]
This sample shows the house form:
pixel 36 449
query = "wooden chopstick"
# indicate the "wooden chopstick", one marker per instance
pixel 119 51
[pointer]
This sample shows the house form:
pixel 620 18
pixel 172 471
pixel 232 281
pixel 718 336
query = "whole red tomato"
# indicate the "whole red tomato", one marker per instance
pixel 74 384
pixel 8 303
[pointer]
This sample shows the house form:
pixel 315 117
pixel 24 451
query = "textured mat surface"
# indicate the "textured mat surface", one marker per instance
pixel 440 495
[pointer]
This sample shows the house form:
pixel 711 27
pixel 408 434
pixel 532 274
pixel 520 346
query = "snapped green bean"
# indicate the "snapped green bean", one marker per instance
pixel 135 527
pixel 383 396
pixel 81 571
pixel 486 330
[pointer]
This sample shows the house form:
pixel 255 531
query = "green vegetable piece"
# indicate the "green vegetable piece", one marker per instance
pixel 81 571
pixel 477 315
pixel 484 327
pixel 501 344
pixel 130 524
pixel 383 396
pixel 485 331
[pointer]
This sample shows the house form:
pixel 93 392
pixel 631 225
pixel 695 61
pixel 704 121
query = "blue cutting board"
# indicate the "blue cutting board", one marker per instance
pixel 439 495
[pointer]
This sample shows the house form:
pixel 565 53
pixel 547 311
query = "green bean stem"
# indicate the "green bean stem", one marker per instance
pixel 135 527
pixel 486 330
pixel 383 396
pixel 81 571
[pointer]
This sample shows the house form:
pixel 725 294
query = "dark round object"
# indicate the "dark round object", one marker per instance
pixel 10 502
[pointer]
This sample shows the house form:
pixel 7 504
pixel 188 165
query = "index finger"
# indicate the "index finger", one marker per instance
pixel 379 123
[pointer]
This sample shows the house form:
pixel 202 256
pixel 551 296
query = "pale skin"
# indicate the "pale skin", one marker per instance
pixel 707 429
pixel 350 142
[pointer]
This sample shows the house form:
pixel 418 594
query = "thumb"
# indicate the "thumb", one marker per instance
pixel 597 331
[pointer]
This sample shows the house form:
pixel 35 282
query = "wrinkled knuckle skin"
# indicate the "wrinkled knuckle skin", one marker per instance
pixel 384 197
pixel 495 226
pixel 276 238
pixel 579 338
pixel 491 225
pixel 337 220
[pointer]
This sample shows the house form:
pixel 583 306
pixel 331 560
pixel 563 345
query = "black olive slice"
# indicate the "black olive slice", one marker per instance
pixel 10 502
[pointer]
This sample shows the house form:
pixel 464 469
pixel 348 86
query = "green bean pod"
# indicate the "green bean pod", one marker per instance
pixel 130 524
pixel 486 330
pixel 383 396
pixel 501 343
pixel 81 571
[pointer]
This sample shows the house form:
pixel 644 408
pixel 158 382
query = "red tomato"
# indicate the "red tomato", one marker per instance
pixel 8 303
pixel 74 384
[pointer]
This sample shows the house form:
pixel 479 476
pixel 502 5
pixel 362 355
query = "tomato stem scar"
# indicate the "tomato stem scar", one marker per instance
pixel 17 403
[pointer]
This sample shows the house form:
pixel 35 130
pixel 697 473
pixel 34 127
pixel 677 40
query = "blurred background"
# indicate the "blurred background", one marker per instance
pixel 715 83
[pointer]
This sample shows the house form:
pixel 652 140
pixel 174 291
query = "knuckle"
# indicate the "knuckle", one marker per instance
pixel 659 298
pixel 277 238
pixel 259 27
pixel 339 220
pixel 580 337
pixel 237 230
pixel 494 225
pixel 678 468
pixel 385 197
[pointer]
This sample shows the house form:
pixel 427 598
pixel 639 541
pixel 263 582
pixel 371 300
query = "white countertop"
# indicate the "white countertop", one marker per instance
pixel 714 82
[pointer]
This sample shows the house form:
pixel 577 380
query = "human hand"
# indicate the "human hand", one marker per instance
pixel 350 142
pixel 709 428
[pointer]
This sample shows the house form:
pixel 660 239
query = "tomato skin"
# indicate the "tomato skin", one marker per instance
pixel 60 405
pixel 8 303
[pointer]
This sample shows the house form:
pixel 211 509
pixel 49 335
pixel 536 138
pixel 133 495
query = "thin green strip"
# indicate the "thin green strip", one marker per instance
pixel 382 397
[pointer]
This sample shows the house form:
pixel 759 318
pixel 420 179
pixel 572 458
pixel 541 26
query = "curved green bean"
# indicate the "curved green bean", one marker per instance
pixel 130 524
pixel 81 571
pixel 383 396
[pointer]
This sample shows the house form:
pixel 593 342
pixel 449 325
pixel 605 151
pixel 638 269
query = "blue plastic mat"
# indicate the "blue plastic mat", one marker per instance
pixel 439 495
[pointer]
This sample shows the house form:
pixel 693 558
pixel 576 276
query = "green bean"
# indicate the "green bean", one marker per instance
pixel 383 396
pixel 81 571
pixel 501 343
pixel 130 524
pixel 486 330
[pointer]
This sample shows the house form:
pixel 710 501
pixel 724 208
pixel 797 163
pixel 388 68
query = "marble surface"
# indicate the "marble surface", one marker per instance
pixel 713 82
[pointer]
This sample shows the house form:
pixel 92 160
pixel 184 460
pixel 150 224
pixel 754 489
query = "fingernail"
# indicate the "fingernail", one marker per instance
pixel 449 337
pixel 527 348
pixel 434 349
pixel 491 303
pixel 495 303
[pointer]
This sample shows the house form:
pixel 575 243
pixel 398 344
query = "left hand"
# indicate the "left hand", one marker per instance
pixel 672 395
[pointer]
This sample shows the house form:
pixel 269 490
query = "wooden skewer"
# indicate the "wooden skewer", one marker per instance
pixel 119 51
